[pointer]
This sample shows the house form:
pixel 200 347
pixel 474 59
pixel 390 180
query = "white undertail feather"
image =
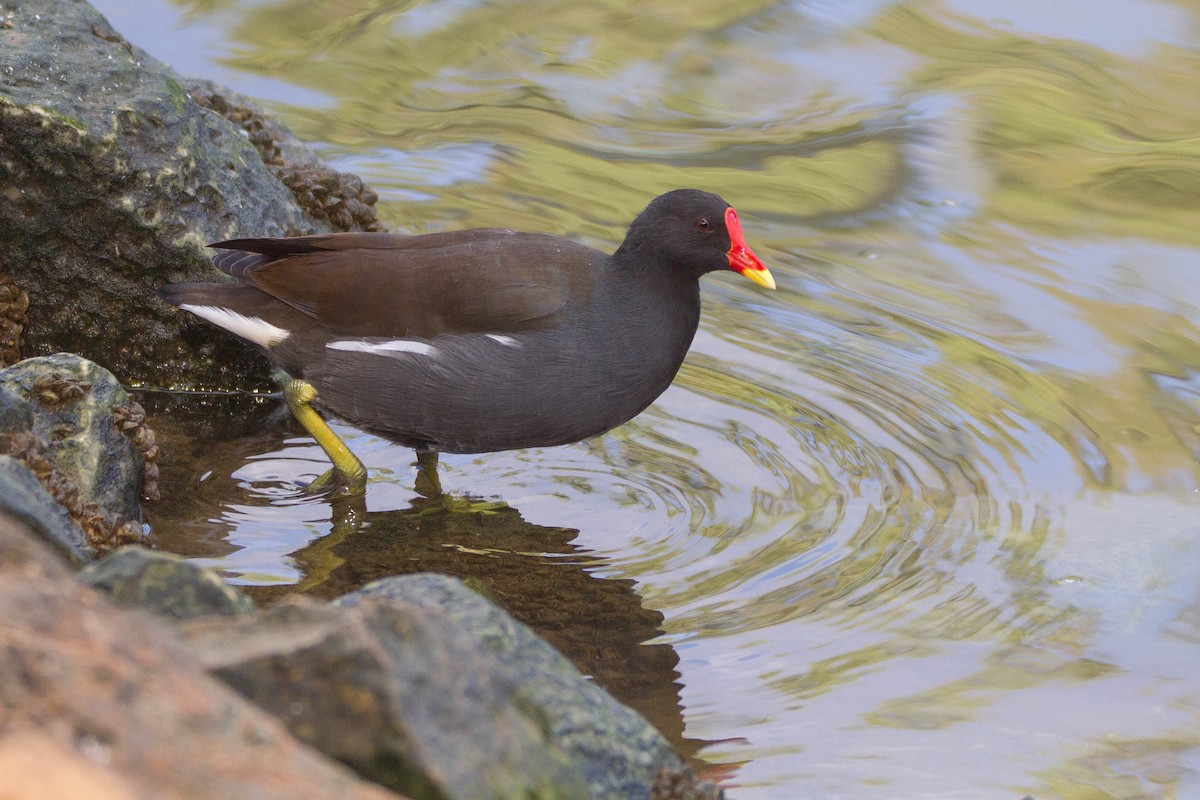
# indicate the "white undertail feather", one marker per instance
pixel 252 329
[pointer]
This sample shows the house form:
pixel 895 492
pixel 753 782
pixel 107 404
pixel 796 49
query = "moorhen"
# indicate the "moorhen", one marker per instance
pixel 478 340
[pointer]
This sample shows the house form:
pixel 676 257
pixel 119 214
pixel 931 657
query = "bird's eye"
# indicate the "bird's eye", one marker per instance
pixel 703 225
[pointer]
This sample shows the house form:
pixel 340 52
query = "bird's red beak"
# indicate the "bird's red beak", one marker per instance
pixel 741 257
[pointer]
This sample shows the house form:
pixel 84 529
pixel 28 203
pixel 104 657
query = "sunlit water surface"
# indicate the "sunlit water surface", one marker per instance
pixel 923 522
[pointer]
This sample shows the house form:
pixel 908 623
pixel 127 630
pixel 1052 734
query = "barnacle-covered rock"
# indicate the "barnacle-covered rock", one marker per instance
pixel 103 529
pixel 67 420
pixel 13 305
pixel 682 784
pixel 114 180
pixel 131 421
pixel 14 302
pixel 24 498
pixel 342 199
pixel 52 390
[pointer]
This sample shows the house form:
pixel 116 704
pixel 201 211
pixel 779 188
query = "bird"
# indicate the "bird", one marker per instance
pixel 476 340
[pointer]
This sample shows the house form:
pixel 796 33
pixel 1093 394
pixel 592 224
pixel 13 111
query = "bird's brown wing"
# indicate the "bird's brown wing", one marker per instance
pixel 477 281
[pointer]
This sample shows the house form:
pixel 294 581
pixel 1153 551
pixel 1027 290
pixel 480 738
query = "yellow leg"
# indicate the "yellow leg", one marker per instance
pixel 429 486
pixel 299 395
pixel 428 483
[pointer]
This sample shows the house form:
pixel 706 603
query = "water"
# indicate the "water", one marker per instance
pixel 923 522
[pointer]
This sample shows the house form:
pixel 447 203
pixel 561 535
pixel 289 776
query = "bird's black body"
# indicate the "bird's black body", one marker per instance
pixel 477 340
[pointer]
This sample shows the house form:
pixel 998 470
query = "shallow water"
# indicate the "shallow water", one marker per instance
pixel 923 522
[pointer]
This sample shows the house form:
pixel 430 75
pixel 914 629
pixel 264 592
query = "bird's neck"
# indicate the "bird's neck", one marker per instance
pixel 656 299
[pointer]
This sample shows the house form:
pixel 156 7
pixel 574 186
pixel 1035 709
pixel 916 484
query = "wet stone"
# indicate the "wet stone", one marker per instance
pixel 164 584
pixel 23 498
pixel 108 703
pixel 64 425
pixel 619 754
pixel 398 692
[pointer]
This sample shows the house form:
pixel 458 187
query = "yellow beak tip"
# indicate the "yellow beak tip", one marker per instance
pixel 762 277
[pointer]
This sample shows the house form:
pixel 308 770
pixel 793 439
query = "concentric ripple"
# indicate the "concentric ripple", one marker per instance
pixel 921 522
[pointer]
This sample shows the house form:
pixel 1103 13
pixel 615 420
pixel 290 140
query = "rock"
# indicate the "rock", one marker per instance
pixel 396 691
pixel 14 302
pixel 39 768
pixel 64 422
pixel 113 700
pixel 72 403
pixel 340 199
pixel 112 180
pixel 619 754
pixel 16 412
pixel 23 498
pixel 164 584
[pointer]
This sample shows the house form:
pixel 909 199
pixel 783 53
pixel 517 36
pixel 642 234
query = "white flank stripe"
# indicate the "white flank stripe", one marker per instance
pixel 507 341
pixel 384 348
pixel 252 329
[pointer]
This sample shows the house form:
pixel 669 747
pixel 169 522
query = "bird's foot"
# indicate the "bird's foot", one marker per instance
pixel 435 501
pixel 333 484
pixel 428 484
pixel 461 504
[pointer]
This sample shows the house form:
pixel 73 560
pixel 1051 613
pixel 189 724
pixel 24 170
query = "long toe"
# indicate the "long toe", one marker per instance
pixel 334 483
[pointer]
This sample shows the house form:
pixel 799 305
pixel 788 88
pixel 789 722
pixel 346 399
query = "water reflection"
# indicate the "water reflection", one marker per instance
pixel 923 521
pixel 276 541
